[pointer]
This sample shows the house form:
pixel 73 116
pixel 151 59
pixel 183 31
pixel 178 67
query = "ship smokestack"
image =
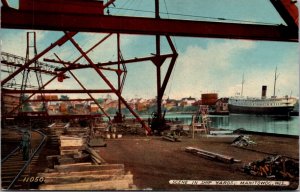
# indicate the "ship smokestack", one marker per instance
pixel 264 92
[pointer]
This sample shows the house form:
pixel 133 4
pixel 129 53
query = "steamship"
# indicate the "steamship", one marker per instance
pixel 263 105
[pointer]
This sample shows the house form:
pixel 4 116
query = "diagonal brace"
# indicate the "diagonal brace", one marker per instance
pixel 108 83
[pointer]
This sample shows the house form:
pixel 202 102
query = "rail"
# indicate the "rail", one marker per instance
pixel 29 160
pixel 11 153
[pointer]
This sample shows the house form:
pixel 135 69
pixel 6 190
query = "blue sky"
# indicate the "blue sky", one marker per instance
pixel 203 65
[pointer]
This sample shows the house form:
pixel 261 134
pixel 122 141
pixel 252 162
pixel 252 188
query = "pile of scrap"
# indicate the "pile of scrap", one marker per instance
pixel 211 155
pixel 278 167
pixel 242 141
pixel 130 128
pixel 171 136
pixel 85 176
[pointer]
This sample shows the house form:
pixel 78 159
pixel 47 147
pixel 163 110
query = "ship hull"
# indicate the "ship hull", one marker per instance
pixel 260 110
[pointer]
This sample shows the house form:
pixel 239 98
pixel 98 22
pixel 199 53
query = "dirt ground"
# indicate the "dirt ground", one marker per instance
pixel 154 161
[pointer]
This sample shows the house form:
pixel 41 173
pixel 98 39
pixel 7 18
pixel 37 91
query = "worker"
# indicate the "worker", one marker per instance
pixel 25 145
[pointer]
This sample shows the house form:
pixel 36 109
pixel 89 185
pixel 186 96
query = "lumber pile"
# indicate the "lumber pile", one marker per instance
pixel 71 145
pixel 85 176
pixel 54 131
pixel 79 131
pixel 211 155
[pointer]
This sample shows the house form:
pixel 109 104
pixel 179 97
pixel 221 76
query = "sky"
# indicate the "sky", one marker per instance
pixel 204 65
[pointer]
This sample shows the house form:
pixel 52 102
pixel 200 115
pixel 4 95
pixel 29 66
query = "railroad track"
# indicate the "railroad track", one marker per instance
pixel 14 170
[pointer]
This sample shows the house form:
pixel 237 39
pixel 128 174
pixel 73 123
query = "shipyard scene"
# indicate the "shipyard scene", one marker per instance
pixel 113 95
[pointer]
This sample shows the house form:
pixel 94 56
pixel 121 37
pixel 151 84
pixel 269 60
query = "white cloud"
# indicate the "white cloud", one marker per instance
pixel 205 69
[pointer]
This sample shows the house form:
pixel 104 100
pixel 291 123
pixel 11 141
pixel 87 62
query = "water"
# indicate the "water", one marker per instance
pixel 267 124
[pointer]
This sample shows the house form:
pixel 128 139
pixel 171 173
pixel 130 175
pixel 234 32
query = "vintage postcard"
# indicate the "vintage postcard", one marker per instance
pixel 102 95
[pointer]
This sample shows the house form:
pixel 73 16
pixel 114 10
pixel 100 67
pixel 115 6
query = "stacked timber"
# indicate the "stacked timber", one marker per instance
pixel 54 131
pixel 100 128
pixel 79 167
pixel 85 176
pixel 79 131
pixel 71 145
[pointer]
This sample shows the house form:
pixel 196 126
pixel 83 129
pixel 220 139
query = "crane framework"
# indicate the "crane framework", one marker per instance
pixel 72 19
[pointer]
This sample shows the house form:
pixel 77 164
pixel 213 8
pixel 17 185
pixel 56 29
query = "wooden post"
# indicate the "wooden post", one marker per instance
pixel 193 126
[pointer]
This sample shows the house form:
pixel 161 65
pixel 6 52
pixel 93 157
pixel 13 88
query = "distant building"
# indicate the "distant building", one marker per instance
pixel 63 107
pixel 170 103
pixel 94 108
pixel 53 108
pixel 142 104
pixel 47 97
pixel 9 102
pixel 222 105
pixel 188 101
pixel 197 103
pixel 209 98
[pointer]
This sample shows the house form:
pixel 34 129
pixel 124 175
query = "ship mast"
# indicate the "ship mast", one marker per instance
pixel 276 76
pixel 243 81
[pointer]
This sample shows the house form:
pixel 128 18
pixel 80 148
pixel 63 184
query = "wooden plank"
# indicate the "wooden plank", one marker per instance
pixel 95 155
pixel 81 173
pixel 220 132
pixel 68 168
pixel 121 184
pixel 210 155
pixel 69 152
pixel 71 142
pixel 73 165
pixel 85 178
pixel 72 147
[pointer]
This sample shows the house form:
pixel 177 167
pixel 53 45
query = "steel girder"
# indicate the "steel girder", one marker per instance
pixel 17 19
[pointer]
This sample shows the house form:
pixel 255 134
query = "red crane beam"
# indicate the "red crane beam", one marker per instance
pixel 41 100
pixel 83 66
pixel 57 91
pixel 288 11
pixel 17 19
pixel 38 115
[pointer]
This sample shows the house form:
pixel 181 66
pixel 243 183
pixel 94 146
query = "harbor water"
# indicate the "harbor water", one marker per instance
pixel 258 123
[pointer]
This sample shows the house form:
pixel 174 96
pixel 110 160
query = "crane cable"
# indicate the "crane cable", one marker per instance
pixel 198 16
pixel 172 76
